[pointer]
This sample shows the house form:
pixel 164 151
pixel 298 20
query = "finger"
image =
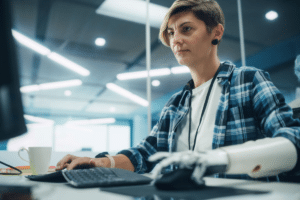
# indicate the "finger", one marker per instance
pixel 156 171
pixel 61 167
pixel 79 161
pixel 93 163
pixel 158 156
pixel 67 159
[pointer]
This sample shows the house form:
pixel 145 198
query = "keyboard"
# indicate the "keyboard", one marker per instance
pixel 94 177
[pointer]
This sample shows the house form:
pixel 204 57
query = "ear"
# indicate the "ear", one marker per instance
pixel 218 31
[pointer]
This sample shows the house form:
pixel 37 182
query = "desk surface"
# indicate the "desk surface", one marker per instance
pixel 216 189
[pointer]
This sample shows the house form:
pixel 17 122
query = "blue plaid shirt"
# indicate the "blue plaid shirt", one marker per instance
pixel 250 108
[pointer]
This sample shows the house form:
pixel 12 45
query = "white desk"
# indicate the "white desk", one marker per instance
pixel 274 191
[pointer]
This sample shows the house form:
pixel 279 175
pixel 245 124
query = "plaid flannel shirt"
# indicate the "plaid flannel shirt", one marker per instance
pixel 250 108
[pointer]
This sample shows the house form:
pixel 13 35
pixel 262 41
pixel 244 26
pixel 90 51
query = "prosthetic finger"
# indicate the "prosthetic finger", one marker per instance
pixel 159 156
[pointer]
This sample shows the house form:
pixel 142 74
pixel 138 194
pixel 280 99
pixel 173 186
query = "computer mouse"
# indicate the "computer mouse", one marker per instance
pixel 177 180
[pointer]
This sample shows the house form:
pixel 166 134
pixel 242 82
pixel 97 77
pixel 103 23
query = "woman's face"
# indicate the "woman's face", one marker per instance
pixel 189 39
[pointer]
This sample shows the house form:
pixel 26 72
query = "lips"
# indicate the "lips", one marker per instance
pixel 181 51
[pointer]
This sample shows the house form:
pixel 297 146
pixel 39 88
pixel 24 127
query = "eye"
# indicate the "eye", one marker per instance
pixel 187 28
pixel 170 33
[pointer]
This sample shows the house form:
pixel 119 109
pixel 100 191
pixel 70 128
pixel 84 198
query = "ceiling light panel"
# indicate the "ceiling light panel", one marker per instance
pixel 30 43
pixel 68 64
pixel 58 105
pixel 144 74
pixel 134 11
pixel 180 70
pixel 38 119
pixel 51 55
pixel 105 108
pixel 92 121
pixel 49 86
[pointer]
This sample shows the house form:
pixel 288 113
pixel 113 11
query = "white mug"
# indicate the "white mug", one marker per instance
pixel 39 159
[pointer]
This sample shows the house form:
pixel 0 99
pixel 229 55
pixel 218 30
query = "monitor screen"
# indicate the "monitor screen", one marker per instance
pixel 11 111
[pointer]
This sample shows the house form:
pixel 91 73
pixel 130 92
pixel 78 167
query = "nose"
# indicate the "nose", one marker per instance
pixel 177 39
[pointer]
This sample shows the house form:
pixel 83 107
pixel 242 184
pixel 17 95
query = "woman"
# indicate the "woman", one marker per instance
pixel 221 106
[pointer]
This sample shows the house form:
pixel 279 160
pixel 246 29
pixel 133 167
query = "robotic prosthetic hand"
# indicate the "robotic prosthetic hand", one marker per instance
pixel 261 158
pixel 202 163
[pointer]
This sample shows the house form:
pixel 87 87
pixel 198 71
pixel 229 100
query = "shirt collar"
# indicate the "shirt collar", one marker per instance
pixel 223 76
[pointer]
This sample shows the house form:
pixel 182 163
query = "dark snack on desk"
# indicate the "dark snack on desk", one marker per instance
pixel 55 177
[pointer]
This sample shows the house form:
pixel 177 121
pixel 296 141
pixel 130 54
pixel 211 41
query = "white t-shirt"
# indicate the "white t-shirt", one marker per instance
pixel 206 129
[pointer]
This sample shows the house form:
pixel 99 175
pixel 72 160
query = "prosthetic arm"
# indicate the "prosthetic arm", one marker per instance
pixel 260 158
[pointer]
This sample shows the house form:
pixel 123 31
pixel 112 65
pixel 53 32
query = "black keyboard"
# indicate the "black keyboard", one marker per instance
pixel 95 177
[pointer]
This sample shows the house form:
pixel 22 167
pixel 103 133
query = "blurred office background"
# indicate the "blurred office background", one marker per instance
pixel 103 39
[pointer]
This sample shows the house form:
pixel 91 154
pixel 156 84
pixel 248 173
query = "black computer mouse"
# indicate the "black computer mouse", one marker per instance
pixel 177 180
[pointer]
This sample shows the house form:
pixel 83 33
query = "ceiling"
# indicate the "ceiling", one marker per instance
pixel 70 27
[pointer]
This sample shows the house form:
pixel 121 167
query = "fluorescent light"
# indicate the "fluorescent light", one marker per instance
pixel 127 94
pixel 156 83
pixel 92 121
pixel 46 52
pixel 68 64
pixel 144 74
pixel 30 43
pixel 100 42
pixel 38 119
pixel 133 10
pixel 49 86
pixel 29 88
pixel 180 70
pixel 271 15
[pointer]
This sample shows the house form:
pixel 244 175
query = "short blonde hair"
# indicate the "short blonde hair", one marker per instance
pixel 209 11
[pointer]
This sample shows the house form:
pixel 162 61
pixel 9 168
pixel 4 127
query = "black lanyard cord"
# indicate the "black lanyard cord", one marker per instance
pixel 204 108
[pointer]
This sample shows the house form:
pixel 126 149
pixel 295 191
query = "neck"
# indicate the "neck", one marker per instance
pixel 204 71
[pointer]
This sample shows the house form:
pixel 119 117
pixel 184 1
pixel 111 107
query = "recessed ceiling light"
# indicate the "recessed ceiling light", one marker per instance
pixel 272 15
pixel 100 42
pixel 68 93
pixel 112 109
pixel 156 83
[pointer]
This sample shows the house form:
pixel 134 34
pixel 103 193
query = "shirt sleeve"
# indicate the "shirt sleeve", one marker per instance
pixel 272 112
pixel 139 155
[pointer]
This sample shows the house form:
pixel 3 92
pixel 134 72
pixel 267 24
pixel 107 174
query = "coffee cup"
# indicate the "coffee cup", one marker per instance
pixel 39 159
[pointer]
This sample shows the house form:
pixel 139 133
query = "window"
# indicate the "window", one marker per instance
pixel 66 138
pixel 37 135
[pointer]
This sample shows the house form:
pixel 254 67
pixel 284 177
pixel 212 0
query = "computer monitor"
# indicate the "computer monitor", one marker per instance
pixel 12 122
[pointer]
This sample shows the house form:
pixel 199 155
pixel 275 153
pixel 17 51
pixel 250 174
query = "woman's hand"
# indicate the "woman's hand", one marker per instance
pixel 65 161
pixel 70 162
